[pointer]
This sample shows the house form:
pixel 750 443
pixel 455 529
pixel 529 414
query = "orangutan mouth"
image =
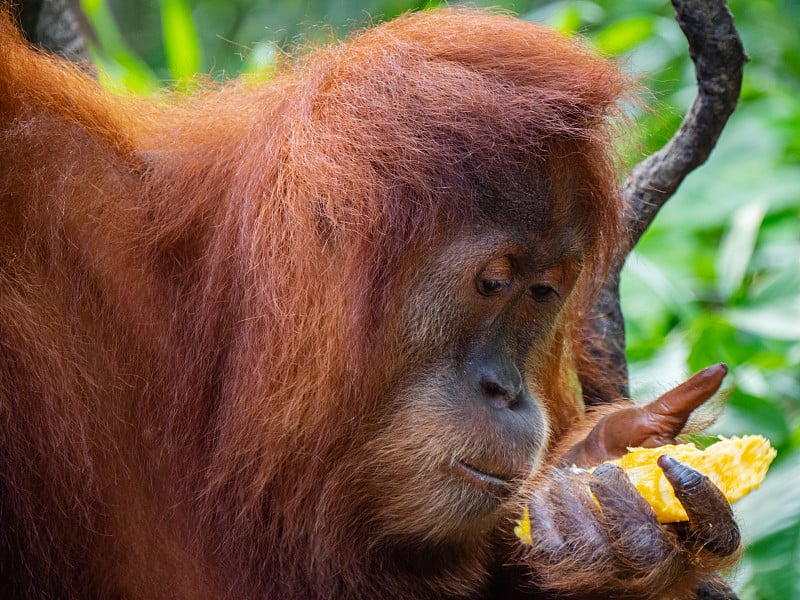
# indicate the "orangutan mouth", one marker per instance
pixel 499 485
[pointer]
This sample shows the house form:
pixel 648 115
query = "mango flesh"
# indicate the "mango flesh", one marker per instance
pixel 736 465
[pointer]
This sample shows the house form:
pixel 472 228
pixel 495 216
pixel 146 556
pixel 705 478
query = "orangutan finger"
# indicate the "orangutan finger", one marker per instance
pixel 715 588
pixel 671 410
pixel 710 516
pixel 632 527
pixel 563 515
pixel 615 492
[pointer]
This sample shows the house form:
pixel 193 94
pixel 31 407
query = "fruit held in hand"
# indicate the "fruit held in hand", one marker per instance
pixel 736 465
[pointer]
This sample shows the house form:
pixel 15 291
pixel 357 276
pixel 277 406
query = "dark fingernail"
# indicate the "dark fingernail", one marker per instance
pixel 679 473
pixel 665 461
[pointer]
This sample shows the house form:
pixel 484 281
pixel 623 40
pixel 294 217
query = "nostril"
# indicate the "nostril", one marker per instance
pixel 490 388
pixel 497 395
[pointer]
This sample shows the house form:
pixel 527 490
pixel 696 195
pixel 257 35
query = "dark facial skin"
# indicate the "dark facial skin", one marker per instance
pixel 481 314
pixel 514 307
pixel 525 259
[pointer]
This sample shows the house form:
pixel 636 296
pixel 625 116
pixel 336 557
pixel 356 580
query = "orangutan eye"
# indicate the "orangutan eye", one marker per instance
pixel 495 277
pixel 543 293
pixel 493 287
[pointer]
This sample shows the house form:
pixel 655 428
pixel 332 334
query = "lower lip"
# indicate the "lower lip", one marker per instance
pixel 492 483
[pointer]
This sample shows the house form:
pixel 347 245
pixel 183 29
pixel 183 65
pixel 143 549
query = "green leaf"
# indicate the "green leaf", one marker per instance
pixel 673 293
pixel 772 568
pixel 775 506
pixel 118 65
pixel 624 35
pixel 770 522
pixel 649 379
pixel 777 320
pixel 745 414
pixel 567 20
pixel 714 339
pixel 181 42
pixel 737 248
pixel 261 59
pixel 780 279
pixel 566 16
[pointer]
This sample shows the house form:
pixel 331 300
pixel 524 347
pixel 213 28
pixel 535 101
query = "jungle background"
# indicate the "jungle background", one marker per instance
pixel 716 277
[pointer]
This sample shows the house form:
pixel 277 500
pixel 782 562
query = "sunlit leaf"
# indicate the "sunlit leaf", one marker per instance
pixel 261 59
pixel 737 247
pixel 567 20
pixel 181 42
pixel 624 35
pixel 567 16
pixel 118 66
pixel 780 321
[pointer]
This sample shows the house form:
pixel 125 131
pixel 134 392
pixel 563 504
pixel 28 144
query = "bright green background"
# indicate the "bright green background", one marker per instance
pixel 716 278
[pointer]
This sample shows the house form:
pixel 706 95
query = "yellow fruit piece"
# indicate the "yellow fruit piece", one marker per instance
pixel 736 465
pixel 523 528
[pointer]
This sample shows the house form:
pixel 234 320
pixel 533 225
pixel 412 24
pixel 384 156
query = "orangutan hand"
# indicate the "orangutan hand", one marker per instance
pixel 594 536
pixel 648 426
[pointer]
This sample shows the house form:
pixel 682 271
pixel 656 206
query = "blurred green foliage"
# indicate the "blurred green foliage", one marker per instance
pixel 717 276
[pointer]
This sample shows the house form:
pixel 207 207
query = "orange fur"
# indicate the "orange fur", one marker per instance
pixel 201 302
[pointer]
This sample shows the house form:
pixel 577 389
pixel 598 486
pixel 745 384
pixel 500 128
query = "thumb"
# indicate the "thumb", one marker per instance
pixel 669 412
pixel 654 424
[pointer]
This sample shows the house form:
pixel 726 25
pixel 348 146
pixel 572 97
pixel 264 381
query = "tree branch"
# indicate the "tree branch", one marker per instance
pixel 718 55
